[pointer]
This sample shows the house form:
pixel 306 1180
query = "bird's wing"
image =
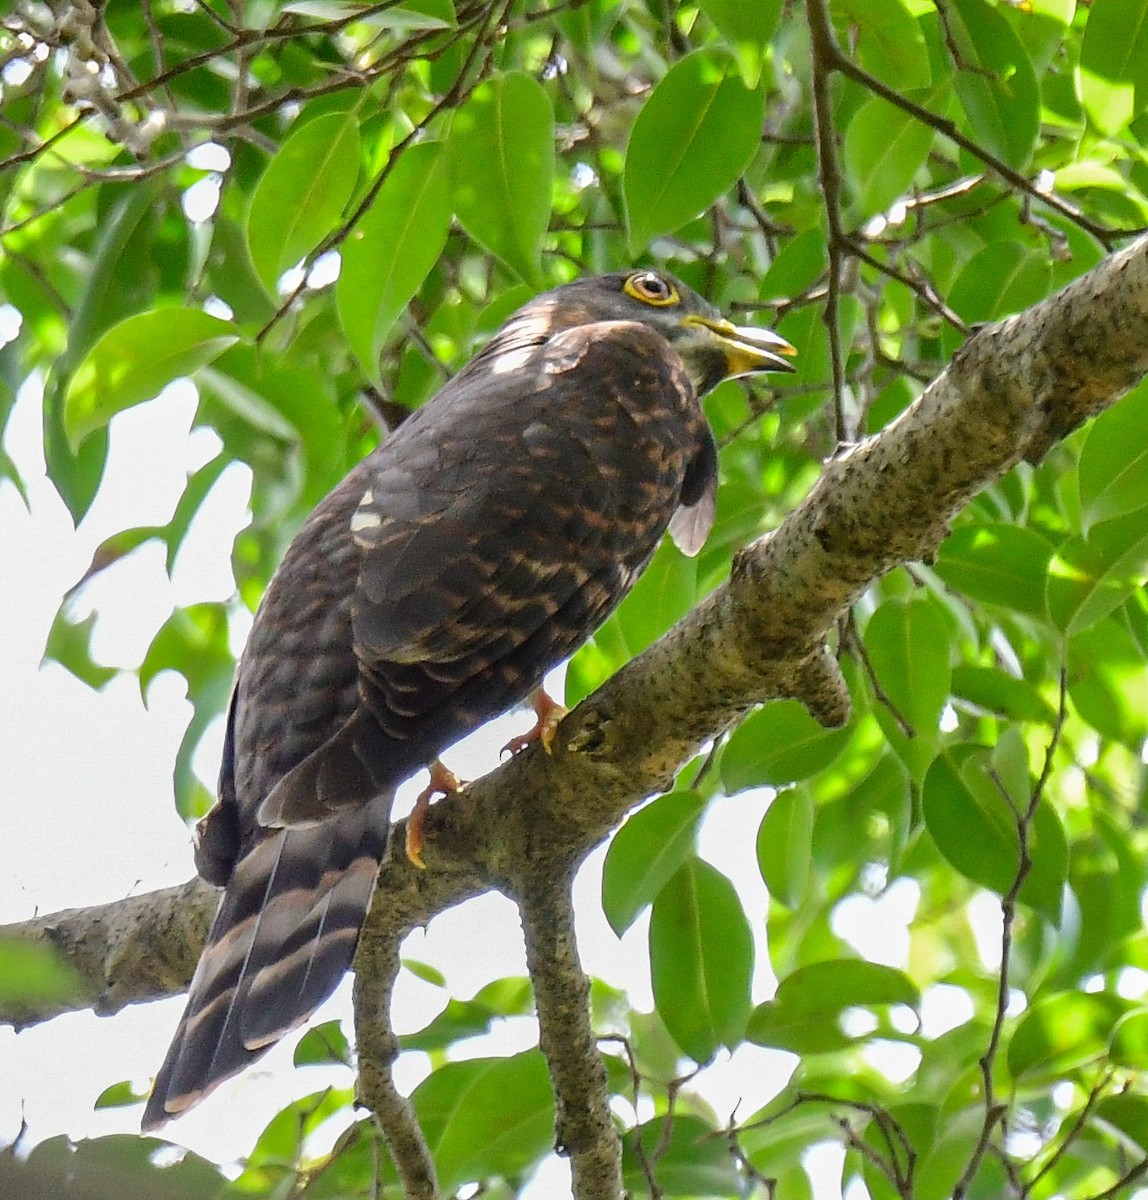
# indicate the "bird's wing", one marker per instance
pixel 491 554
pixel 694 517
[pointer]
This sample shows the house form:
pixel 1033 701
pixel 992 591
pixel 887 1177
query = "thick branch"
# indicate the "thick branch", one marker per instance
pixel 141 948
pixel 1012 391
pixel 376 969
pixel 585 1131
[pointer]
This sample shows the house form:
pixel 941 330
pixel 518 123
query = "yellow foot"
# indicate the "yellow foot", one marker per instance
pixel 549 715
pixel 443 781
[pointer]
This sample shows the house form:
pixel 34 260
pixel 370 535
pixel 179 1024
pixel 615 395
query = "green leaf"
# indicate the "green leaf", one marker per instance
pixel 118 1095
pixel 197 489
pixel 972 823
pixel 510 997
pixel 69 643
pixel 885 147
pixel 998 564
pixel 1112 81
pixel 392 249
pixel 396 20
pixel 890 42
pixel 502 164
pixel 747 29
pixel 946 1162
pixel 325 1043
pixel 1127 1112
pixel 35 976
pixel 645 853
pixel 1089 577
pixel 1130 1041
pixel 136 359
pixel 1061 1033
pixel 248 392
pixel 126 226
pixel 907 643
pixel 846 983
pixel 785 845
pixel 974 826
pixel 194 642
pixel 302 194
pixel 486 1116
pixel 281 1142
pixel 1113 466
pixel 804 1015
pixel 779 744
pixel 507 997
pixel 1000 279
pixel 799 263
pixel 697 132
pixel 425 972
pixel 120 1165
pixel 459 1019
pixel 1041 26
pixel 997 691
pixel 1107 682
pixel 232 276
pixel 112 549
pixel 665 592
pixel 995 81
pixel 701 960
pixel 688 1157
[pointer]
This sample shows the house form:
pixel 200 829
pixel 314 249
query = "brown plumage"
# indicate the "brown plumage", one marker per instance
pixel 430 591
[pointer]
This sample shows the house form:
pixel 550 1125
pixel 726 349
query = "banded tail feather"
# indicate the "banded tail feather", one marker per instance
pixel 283 936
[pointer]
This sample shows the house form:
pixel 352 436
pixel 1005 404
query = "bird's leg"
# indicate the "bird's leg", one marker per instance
pixel 549 713
pixel 443 781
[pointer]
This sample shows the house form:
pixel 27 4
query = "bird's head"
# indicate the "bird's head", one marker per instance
pixel 711 347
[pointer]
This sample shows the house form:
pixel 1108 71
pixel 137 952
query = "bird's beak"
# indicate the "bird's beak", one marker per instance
pixel 746 348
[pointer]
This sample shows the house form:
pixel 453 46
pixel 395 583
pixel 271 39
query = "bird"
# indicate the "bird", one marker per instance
pixel 476 548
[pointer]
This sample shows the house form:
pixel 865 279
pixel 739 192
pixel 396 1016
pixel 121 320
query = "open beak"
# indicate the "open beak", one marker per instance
pixel 746 348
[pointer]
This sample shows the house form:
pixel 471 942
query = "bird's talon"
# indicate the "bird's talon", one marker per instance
pixel 415 848
pixel 519 742
pixel 549 714
pixel 443 782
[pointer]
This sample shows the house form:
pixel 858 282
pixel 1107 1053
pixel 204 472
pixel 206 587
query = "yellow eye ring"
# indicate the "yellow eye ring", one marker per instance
pixel 651 288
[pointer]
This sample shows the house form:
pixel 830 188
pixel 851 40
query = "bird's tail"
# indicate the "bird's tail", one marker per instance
pixel 285 933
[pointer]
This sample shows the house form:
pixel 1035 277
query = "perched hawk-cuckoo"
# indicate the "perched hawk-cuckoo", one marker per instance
pixel 430 591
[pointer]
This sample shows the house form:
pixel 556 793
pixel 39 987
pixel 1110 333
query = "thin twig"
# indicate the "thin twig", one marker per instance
pixel 829 174
pixel 994 1112
pixel 1094 1096
pixel 1116 1191
pixel 451 99
pixel 857 645
pixel 839 61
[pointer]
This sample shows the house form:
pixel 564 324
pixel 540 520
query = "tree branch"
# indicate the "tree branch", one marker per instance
pixel 376 969
pixel 584 1129
pixel 140 948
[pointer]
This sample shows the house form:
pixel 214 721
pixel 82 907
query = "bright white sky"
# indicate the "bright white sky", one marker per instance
pixel 88 817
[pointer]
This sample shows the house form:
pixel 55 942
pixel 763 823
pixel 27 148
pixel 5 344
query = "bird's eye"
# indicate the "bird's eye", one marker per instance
pixel 651 288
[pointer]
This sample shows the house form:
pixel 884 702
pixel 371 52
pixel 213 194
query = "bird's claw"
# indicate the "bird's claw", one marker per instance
pixel 549 714
pixel 443 781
